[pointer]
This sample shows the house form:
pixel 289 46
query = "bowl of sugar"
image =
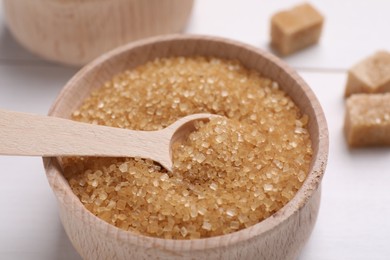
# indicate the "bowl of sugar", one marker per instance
pixel 245 185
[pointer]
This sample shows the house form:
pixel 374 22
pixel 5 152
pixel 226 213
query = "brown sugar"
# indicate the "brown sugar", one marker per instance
pixel 231 173
pixel 367 120
pixel 295 29
pixel 371 75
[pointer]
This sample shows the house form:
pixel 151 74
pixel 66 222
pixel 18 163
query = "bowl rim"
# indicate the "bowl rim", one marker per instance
pixel 310 185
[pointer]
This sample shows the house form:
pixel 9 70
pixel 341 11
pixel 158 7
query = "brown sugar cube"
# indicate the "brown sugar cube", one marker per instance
pixel 367 120
pixel 295 29
pixel 371 75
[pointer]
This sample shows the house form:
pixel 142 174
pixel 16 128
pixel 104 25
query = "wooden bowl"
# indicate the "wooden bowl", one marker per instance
pixel 280 236
pixel 76 31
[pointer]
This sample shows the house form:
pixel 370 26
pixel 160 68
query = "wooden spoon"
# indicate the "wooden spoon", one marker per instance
pixel 36 135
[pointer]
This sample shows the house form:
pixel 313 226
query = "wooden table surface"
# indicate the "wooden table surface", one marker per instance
pixel 354 217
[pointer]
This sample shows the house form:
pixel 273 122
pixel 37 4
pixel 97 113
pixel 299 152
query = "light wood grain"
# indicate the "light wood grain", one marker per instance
pixel 76 31
pixel 36 135
pixel 280 236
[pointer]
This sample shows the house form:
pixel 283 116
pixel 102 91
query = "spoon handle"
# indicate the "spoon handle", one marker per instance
pixel 36 135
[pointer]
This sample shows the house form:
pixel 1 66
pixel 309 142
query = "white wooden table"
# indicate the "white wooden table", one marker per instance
pixel 354 219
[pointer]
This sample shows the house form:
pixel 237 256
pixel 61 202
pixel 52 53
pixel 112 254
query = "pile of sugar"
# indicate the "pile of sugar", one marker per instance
pixel 231 173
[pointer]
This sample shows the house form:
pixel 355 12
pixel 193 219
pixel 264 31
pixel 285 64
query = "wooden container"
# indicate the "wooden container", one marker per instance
pixel 76 31
pixel 280 236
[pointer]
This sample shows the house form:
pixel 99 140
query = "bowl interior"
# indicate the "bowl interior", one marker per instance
pixel 104 68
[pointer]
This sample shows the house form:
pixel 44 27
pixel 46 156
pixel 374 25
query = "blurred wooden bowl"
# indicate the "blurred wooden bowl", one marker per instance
pixel 74 32
pixel 280 236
